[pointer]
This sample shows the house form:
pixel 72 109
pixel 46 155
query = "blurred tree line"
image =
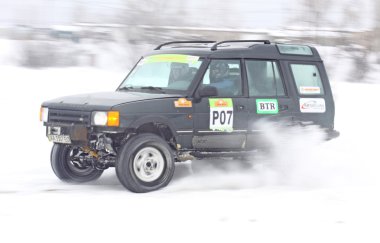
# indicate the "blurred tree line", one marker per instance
pixel 315 15
pixel 142 25
pixel 356 44
pixel 376 37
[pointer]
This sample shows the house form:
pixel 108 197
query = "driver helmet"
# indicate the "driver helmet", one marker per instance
pixel 219 70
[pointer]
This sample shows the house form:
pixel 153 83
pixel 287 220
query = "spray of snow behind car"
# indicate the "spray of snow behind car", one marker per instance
pixel 299 157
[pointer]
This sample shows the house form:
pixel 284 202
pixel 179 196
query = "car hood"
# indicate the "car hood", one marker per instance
pixel 101 101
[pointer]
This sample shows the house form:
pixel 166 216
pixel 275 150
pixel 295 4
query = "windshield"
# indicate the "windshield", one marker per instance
pixel 163 72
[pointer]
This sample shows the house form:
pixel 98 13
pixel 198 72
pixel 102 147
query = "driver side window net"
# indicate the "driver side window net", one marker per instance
pixel 225 76
pixel 264 78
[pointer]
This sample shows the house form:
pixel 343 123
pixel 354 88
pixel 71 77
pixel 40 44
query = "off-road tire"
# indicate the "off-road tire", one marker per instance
pixel 68 172
pixel 130 161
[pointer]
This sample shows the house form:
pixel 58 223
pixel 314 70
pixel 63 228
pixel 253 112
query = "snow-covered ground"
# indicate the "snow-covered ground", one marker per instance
pixel 308 191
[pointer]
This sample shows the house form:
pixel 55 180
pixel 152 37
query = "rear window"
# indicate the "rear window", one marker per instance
pixel 307 79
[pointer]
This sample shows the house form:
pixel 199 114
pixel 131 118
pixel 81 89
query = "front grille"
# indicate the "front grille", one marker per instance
pixel 70 117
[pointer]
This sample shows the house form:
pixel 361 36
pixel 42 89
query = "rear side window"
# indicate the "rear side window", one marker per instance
pixel 307 79
pixel 264 78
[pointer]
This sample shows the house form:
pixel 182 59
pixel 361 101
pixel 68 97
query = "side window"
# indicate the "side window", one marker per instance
pixel 307 79
pixel 225 76
pixel 264 78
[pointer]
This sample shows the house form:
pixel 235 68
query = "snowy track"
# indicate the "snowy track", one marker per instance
pixel 307 191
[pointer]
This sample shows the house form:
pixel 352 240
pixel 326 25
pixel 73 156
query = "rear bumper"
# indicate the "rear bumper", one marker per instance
pixel 331 134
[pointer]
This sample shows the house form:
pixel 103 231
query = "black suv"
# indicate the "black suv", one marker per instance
pixel 186 100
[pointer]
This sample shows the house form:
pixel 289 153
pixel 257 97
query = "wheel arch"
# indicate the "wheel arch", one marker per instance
pixel 158 125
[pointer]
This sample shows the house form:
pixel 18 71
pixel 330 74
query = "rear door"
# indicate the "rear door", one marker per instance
pixel 269 99
pixel 221 122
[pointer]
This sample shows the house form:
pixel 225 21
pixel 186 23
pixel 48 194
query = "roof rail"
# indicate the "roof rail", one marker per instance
pixel 182 42
pixel 215 46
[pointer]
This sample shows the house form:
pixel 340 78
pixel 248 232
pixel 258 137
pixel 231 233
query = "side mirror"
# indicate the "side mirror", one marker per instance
pixel 207 91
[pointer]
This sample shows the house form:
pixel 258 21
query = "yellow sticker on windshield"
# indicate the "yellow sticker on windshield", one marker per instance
pixel 171 58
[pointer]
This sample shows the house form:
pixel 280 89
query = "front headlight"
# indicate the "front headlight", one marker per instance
pixel 44 114
pixel 103 118
pixel 99 118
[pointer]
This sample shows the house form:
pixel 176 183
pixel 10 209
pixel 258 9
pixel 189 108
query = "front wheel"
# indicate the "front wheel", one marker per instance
pixel 67 168
pixel 145 163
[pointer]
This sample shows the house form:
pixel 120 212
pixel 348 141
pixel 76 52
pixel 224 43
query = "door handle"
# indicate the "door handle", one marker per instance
pixel 240 107
pixel 283 107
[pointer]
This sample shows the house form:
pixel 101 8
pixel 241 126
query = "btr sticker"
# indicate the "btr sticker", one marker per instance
pixel 266 106
pixel 221 115
pixel 309 105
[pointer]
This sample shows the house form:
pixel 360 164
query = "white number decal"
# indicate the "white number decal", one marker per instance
pixel 221 114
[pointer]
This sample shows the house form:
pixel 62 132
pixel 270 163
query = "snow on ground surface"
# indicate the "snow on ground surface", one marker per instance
pixel 307 191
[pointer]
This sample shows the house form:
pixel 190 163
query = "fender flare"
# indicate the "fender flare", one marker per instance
pixel 154 119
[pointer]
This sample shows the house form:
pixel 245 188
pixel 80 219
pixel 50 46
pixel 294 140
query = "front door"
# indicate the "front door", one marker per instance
pixel 221 122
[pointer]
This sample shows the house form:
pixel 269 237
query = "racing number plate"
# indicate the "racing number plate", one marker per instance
pixel 221 114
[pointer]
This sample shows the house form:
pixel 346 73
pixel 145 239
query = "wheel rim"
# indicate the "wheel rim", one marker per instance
pixel 75 166
pixel 148 164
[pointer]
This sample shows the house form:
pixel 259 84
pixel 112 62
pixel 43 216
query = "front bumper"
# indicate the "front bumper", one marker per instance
pixel 78 134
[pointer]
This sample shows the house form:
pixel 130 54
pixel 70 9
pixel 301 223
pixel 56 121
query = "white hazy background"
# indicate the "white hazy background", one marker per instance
pixel 306 190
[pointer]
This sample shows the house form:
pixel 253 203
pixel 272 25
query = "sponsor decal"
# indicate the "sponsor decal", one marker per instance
pixel 183 103
pixel 171 58
pixel 309 105
pixel 221 115
pixel 220 103
pixel 266 106
pixel 310 90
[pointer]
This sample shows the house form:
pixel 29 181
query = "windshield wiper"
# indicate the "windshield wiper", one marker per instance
pixel 153 88
pixel 125 88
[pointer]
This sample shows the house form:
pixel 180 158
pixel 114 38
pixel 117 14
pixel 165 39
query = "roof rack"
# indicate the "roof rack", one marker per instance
pixel 215 46
pixel 183 42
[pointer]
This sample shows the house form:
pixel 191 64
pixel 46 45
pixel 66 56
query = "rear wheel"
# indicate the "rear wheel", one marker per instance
pixel 69 169
pixel 145 163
